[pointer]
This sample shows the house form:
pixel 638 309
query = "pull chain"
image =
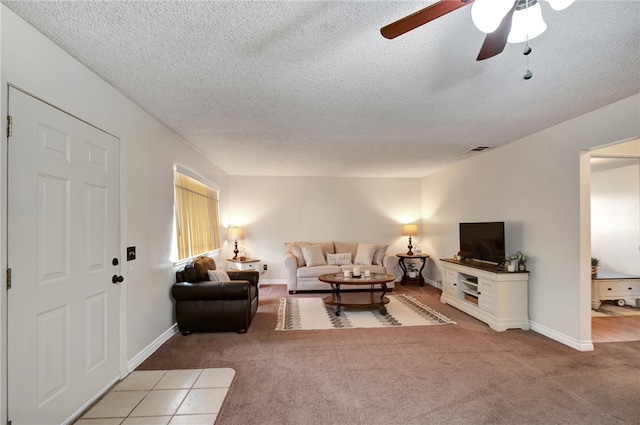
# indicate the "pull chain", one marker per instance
pixel 527 48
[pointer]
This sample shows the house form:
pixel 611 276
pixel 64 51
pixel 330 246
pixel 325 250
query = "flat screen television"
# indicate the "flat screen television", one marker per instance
pixel 482 241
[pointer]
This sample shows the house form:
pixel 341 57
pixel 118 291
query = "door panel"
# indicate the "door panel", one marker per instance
pixel 63 231
pixel 52 353
pixel 53 229
pixel 96 331
pixel 96 220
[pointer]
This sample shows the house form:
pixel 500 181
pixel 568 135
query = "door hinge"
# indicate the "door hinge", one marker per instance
pixel 9 278
pixel 9 125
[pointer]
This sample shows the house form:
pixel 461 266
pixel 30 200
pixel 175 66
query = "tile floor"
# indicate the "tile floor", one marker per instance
pixel 163 397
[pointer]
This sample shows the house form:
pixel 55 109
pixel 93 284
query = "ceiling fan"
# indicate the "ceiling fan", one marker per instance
pixel 494 17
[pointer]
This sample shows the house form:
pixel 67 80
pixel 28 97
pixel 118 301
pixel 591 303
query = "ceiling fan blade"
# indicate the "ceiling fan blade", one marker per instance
pixel 421 17
pixel 494 42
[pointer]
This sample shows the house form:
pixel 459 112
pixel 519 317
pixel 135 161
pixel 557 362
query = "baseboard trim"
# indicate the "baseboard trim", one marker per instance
pixel 151 348
pixel 561 338
pixel 433 283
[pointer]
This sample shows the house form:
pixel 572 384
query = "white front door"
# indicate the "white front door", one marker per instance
pixel 63 242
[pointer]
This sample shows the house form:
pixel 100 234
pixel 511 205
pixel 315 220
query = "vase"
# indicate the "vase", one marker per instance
pixel 511 267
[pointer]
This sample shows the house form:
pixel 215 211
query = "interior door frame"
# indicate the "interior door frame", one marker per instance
pixel 584 158
pixel 4 170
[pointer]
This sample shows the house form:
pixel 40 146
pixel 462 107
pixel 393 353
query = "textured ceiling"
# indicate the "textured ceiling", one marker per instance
pixel 311 88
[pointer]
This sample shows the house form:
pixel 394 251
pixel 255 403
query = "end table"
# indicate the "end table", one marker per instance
pixel 403 266
pixel 246 264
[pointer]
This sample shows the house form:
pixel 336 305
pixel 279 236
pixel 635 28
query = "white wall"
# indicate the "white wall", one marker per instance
pixel 275 210
pixel 537 186
pixel 148 150
pixel 615 219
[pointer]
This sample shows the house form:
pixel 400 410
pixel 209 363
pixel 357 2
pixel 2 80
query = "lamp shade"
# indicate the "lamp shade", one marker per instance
pixel 527 24
pixel 487 14
pixel 560 4
pixel 409 230
pixel 235 233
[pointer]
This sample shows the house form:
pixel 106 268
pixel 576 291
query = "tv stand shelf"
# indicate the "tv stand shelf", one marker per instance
pixel 487 292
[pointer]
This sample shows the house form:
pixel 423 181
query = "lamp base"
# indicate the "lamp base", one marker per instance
pixel 410 247
pixel 235 251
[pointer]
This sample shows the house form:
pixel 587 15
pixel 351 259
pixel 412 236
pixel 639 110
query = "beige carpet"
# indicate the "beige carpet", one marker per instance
pixel 462 374
pixel 313 313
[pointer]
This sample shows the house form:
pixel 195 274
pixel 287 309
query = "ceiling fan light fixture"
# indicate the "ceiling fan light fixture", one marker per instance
pixel 560 4
pixel 487 14
pixel 527 22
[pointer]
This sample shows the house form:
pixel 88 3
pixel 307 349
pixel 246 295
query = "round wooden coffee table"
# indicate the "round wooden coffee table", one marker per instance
pixel 367 299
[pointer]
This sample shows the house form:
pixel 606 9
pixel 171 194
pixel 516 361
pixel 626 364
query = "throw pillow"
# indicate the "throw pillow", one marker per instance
pixel 378 256
pixel 218 276
pixel 313 256
pixel 296 250
pixel 339 259
pixel 364 255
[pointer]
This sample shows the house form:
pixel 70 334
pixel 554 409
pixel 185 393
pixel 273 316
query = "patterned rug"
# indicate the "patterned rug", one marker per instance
pixel 313 313
pixel 610 309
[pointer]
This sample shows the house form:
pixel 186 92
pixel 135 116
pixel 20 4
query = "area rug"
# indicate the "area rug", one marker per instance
pixel 609 309
pixel 313 313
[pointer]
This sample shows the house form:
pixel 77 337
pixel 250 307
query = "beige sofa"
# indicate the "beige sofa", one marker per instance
pixel 337 257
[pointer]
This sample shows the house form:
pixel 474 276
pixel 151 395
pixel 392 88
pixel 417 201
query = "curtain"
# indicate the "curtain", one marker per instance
pixel 197 220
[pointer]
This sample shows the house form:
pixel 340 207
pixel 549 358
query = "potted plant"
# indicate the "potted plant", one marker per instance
pixel 412 270
pixel 594 266
pixel 516 262
pixel 522 261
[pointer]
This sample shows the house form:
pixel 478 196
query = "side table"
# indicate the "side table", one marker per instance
pixel 246 264
pixel 403 266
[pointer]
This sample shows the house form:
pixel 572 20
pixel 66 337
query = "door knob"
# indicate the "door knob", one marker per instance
pixel 116 279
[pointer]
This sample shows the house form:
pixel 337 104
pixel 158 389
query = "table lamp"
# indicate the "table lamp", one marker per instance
pixel 235 233
pixel 410 230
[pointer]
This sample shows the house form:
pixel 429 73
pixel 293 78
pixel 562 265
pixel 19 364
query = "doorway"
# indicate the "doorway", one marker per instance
pixel 615 238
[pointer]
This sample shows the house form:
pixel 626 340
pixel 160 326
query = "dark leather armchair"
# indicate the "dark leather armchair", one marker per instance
pixel 211 306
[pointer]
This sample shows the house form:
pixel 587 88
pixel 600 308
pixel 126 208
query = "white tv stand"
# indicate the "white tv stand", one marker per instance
pixel 487 292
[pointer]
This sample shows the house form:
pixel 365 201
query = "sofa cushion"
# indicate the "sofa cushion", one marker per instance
pixel 364 254
pixel 339 258
pixel 218 276
pixel 378 256
pixel 327 248
pixel 317 271
pixel 347 247
pixel 313 256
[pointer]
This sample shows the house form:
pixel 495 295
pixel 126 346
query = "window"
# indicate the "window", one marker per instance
pixel 197 218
